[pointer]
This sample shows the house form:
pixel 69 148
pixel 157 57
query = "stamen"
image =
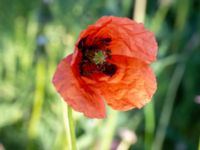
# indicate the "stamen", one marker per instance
pixel 94 57
pixel 99 57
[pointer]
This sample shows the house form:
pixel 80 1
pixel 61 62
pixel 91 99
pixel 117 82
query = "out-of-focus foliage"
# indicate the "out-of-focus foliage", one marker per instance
pixel 36 35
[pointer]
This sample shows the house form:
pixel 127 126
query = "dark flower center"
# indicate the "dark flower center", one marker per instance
pixel 95 57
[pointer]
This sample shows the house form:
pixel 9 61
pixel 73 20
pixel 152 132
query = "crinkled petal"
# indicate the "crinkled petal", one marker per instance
pixel 128 37
pixel 133 88
pixel 78 95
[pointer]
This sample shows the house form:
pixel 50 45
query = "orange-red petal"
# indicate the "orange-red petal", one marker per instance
pixel 128 37
pixel 77 94
pixel 133 85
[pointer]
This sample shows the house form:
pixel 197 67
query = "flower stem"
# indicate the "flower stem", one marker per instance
pixel 149 125
pixel 71 128
pixel 110 127
pixel 168 107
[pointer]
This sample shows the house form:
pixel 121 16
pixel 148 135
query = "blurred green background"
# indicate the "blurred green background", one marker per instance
pixel 36 35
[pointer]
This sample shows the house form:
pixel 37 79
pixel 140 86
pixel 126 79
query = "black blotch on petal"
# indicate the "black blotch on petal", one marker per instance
pixel 110 69
pixel 106 41
pixel 88 49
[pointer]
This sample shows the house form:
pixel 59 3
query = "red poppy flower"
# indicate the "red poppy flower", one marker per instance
pixel 110 62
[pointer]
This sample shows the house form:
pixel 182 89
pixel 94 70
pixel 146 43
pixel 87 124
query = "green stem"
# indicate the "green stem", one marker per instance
pixel 168 107
pixel 149 124
pixel 109 130
pixel 38 99
pixel 71 128
pixel 37 103
pixel 199 144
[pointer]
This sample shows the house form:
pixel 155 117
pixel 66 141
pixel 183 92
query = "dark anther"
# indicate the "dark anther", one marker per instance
pixel 110 69
pixel 95 56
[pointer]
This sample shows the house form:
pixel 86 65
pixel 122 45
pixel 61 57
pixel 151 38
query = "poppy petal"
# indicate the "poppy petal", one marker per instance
pixel 133 88
pixel 80 97
pixel 128 37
